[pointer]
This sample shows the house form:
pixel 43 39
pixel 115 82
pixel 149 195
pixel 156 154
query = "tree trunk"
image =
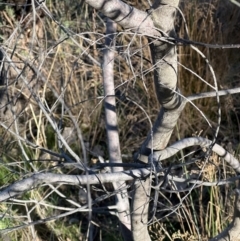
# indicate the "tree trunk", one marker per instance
pixel 164 57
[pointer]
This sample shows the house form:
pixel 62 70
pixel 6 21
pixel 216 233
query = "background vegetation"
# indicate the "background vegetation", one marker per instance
pixel 60 57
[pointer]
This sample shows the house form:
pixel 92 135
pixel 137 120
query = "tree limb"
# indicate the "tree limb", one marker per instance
pixel 114 151
pixel 164 59
pixel 126 16
pixel 213 94
pixel 37 179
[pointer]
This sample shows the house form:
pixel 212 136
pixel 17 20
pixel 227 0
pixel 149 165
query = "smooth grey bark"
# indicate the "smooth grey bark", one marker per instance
pixel 161 16
pixel 140 22
pixel 164 57
pixel 37 179
pixel 114 151
pixel 125 15
pixel 213 94
pixel 172 150
pixel 165 77
pixel 158 23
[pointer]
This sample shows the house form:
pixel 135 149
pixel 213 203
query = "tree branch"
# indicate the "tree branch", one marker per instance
pixel 114 151
pixel 213 94
pixel 164 59
pixel 196 141
pixel 126 16
pixel 37 179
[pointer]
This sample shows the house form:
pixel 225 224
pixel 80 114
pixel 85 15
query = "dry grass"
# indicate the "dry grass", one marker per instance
pixel 209 23
pixel 55 62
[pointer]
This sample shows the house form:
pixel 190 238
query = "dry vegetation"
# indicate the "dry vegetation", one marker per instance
pixel 60 58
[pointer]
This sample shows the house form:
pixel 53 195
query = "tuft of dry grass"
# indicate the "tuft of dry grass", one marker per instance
pixel 214 22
